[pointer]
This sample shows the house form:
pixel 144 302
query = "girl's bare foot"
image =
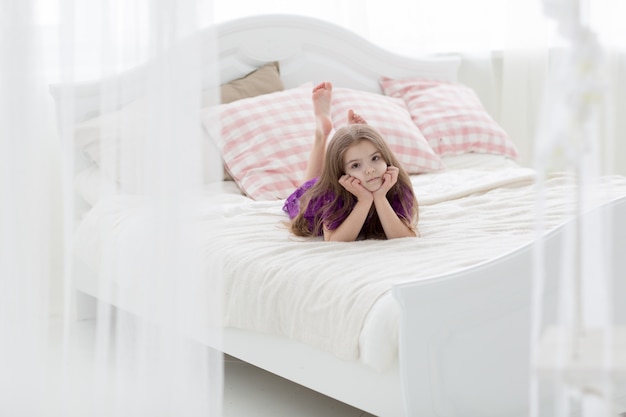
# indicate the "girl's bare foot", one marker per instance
pixel 322 95
pixel 355 119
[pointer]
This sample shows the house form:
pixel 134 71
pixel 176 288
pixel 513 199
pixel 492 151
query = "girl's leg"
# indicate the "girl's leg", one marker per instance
pixel 322 95
pixel 355 119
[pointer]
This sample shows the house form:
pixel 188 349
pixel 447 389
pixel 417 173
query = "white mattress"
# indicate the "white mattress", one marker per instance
pixel 336 296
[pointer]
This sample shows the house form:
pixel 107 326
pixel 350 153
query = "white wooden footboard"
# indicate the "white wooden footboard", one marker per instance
pixel 465 337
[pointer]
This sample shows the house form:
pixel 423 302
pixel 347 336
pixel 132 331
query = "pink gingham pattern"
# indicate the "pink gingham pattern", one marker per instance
pixel 451 117
pixel 266 141
pixel 392 119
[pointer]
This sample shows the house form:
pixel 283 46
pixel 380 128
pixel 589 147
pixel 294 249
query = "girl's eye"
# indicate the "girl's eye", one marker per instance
pixel 376 158
pixel 354 166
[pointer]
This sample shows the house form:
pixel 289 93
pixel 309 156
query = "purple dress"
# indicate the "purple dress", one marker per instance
pixel 316 206
pixel 292 204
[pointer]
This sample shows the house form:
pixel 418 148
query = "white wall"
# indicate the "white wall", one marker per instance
pixel 511 86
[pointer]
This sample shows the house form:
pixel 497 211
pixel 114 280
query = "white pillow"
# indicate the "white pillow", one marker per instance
pixel 122 143
pixel 91 185
pixel 475 160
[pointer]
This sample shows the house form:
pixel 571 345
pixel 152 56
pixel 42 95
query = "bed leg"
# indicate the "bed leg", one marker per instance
pixel 84 306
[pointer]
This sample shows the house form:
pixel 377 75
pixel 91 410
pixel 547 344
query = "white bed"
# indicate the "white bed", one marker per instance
pixel 433 326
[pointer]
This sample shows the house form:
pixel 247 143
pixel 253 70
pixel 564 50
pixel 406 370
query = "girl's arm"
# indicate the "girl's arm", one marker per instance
pixel 392 224
pixel 349 230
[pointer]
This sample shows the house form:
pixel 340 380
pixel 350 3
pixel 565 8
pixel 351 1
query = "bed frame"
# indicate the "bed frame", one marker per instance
pixel 464 337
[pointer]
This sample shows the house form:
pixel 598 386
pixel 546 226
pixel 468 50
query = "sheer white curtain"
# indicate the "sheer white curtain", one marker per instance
pixel 418 26
pixel 132 367
pixel 574 133
pixel 52 364
pixel 26 212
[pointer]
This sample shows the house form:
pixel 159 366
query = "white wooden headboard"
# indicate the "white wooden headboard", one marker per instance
pixel 308 49
pixel 311 50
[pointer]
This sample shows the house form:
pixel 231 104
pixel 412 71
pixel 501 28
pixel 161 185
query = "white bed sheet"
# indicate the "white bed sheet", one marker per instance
pixel 336 296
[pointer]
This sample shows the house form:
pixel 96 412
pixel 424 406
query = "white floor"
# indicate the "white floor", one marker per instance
pixel 248 391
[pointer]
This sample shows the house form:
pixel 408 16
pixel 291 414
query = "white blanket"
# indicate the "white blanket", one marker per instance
pixel 320 292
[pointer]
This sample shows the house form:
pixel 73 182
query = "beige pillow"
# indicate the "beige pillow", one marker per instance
pixel 263 80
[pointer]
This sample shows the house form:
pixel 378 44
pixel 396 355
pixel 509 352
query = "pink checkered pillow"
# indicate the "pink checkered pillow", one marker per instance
pixel 451 117
pixel 391 117
pixel 266 141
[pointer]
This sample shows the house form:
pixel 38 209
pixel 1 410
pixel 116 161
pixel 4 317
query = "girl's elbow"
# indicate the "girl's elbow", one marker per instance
pixel 337 239
pixel 404 233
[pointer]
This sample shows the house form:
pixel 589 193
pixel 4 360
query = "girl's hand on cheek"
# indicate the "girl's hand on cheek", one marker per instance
pixel 354 186
pixel 390 177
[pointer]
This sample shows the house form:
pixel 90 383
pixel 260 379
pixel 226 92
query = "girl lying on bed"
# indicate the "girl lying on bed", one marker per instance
pixel 355 188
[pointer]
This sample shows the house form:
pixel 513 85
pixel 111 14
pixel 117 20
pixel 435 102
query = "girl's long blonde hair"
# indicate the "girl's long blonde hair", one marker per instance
pixel 337 202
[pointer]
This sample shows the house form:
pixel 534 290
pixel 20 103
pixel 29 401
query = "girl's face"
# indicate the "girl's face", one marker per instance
pixel 364 161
